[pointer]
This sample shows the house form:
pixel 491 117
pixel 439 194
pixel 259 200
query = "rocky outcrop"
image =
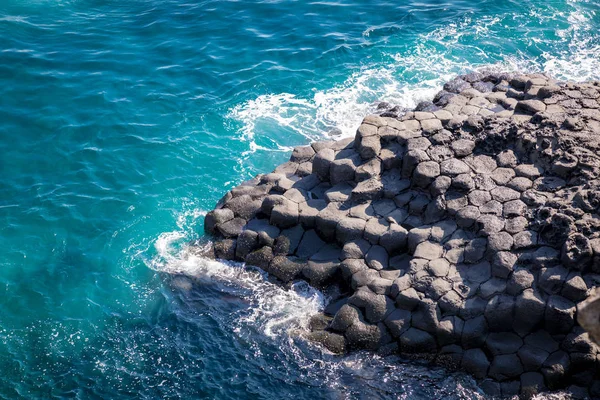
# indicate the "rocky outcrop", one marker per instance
pixel 465 231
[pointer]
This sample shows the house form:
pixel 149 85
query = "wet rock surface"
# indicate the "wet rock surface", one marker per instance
pixel 466 233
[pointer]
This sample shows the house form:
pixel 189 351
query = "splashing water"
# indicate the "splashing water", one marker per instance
pixel 417 73
pixel 273 310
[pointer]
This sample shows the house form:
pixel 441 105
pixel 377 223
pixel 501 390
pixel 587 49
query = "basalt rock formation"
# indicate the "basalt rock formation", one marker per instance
pixel 465 231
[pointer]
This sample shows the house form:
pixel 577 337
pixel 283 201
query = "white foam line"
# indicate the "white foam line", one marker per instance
pixel 428 66
pixel 274 310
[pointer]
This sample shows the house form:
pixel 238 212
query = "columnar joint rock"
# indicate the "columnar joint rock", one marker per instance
pixel 465 231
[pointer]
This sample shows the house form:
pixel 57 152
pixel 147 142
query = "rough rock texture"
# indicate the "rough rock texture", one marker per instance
pixel 465 232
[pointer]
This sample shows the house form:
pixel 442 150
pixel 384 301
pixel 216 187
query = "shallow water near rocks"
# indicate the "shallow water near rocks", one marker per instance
pixel 122 123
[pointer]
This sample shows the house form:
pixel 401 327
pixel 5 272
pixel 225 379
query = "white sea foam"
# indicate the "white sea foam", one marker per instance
pixel 274 309
pixel 419 73
pixel 334 112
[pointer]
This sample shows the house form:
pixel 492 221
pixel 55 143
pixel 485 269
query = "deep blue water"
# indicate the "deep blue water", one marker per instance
pixel 123 122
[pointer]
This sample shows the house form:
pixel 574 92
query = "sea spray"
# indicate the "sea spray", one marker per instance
pixel 273 310
pixel 416 73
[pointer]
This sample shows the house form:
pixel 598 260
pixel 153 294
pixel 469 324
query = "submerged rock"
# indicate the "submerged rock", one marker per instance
pixel 465 231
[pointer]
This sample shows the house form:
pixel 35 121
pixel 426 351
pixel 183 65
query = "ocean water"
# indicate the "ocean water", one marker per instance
pixel 123 122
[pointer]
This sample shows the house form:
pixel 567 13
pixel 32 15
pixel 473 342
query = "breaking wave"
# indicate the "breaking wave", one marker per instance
pixel 570 51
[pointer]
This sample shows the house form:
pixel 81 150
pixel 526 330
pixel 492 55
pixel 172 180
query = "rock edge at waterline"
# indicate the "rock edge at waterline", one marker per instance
pixel 465 231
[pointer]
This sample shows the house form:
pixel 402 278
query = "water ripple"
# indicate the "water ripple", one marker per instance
pixel 123 122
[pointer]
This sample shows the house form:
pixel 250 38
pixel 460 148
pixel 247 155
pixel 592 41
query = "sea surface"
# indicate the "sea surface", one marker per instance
pixel 123 122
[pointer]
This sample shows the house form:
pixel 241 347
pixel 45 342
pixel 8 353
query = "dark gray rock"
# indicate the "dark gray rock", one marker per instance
pixel 408 299
pixel 473 307
pixel 371 189
pixel 339 193
pixel 456 86
pixel 394 239
pixel 398 322
pixel 467 216
pixel 560 315
pixel 369 147
pixel 507 158
pixel 532 358
pixel 491 388
pixel 503 176
pixel 225 249
pixel 577 252
pixel 500 287
pixel 417 341
pixel 492 287
pixel 529 311
pixel 328 252
pixel 363 278
pixel 308 211
pixel 440 185
pixel 555 369
pixel 376 306
pixel 288 241
pixel 510 388
pixel 426 316
pixel 368 170
pixel 454 167
pixel 463 147
pixel 552 279
pixel 450 357
pixel 244 207
pixel 351 266
pixel 463 183
pixel 475 362
pixel 327 220
pixel 285 215
pixel 260 258
pixel 355 249
pixel 501 241
pixel 504 194
pixel 503 343
pixel 505 366
pixel 525 239
pixel 520 280
pixel 349 229
pixel 322 163
pixel 302 154
pixel 475 274
pixel 475 250
pixel 474 332
pixel 285 268
pixel 428 250
pixel 377 258
pixel 310 244
pixel 319 273
pixel 331 341
pixel 363 336
pixel 246 242
pixel 450 330
pixel 232 228
pixel 542 340
pixel 499 313
pixel 217 217
pixel 411 159
pixel 532 383
pixel 574 288
pixel 343 169
pixel 425 173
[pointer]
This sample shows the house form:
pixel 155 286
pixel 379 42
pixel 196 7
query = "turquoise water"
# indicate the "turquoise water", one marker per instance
pixel 123 122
